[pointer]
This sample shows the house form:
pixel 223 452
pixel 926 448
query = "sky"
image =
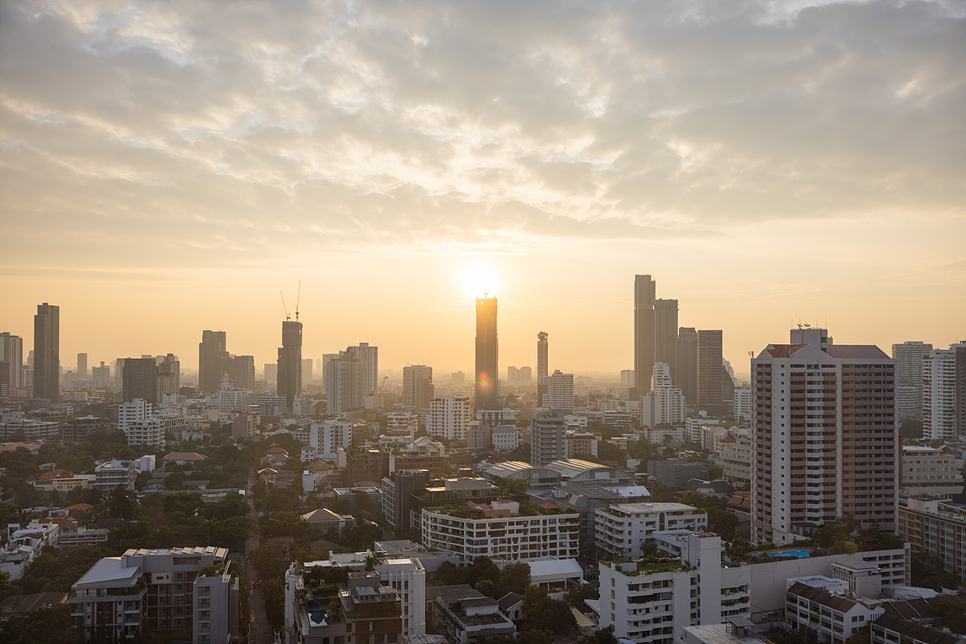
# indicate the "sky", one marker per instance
pixel 169 167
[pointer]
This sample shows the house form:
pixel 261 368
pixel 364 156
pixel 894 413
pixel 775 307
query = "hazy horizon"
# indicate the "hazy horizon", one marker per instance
pixel 167 168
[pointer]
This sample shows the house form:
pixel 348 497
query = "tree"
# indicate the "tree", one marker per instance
pixel 487 587
pixel 273 590
pixel 536 636
pixel 174 481
pixel 42 625
pixel 910 428
pixel 514 578
pixel 544 613
pixel 601 636
pixel 123 504
pixel 951 610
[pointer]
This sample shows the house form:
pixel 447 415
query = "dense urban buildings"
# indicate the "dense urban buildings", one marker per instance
pixel 46 376
pixel 824 437
pixel 417 386
pixel 487 355
pixel 449 417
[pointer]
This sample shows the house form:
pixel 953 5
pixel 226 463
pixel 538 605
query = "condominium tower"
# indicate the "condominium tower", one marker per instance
pixel 909 357
pixel 290 362
pixel 824 437
pixel 417 386
pixel 11 352
pixel 47 352
pixel 212 357
pixel 688 364
pixel 487 355
pixel 644 294
pixel 944 393
pixel 710 372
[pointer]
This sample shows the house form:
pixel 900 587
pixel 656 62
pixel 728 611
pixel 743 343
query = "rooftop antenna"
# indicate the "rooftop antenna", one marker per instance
pixel 287 316
pixel 297 299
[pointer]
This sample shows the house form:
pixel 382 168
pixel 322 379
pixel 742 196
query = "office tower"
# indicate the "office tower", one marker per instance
pixel 909 357
pixel 368 358
pixel 169 377
pixel 449 417
pixel 547 437
pixel 343 385
pixel 666 335
pixel 939 409
pixel 710 383
pixel 824 439
pixel 560 391
pixel 290 362
pixel 307 364
pixel 82 366
pixel 11 351
pixel 644 298
pixel 487 355
pixel 418 387
pixel 665 402
pixel 212 360
pixel 543 354
pixel 688 364
pixel 244 372
pixel 47 352
pixel 140 380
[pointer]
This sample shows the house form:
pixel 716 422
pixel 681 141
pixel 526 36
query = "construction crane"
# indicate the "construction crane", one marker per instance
pixel 298 298
pixel 380 393
pixel 287 316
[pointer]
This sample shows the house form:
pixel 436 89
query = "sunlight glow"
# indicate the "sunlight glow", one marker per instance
pixel 478 280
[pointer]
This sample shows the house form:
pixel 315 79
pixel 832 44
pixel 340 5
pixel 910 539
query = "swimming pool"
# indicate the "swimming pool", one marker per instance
pixel 801 554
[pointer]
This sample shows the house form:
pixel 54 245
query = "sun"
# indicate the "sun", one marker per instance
pixel 478 281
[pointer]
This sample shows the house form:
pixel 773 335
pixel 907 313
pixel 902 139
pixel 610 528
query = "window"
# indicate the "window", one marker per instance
pixel 204 615
pixel 204 591
pixel 204 603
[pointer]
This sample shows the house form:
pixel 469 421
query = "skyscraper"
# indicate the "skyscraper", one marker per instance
pixel 560 391
pixel 824 439
pixel 343 384
pixel 368 358
pixel 140 380
pixel 212 360
pixel 244 372
pixel 11 352
pixel 644 294
pixel 939 407
pixel 47 352
pixel 710 384
pixel 688 364
pixel 169 376
pixel 909 357
pixel 487 355
pixel 290 362
pixel 666 336
pixel 82 366
pixel 418 387
pixel 543 366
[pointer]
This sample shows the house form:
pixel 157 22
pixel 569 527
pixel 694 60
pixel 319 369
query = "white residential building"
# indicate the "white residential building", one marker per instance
pixel 401 420
pixel 131 412
pixel 939 393
pixel 547 433
pixel 743 403
pixel 328 436
pixel 407 576
pixel 622 529
pixel 145 433
pixel 665 402
pixel 821 605
pixel 502 533
pixel 368 358
pixel 449 417
pixel 934 471
pixel 560 391
pixel 652 601
pixel 505 438
pixel 231 400
pixel 909 363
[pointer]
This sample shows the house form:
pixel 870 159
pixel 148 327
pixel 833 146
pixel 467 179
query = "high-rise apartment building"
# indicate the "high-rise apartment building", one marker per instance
pixel 212 359
pixel 169 377
pixel 942 417
pixel 418 387
pixel 688 364
pixel 343 385
pixel 449 417
pixel 271 374
pixel 665 402
pixel 487 355
pixel 368 358
pixel 11 352
pixel 290 362
pixel 47 352
pixel 710 373
pixel 560 391
pixel 543 354
pixel 244 372
pixel 101 375
pixel 666 335
pixel 644 297
pixel 140 380
pixel 909 360
pixel 82 366
pixel 824 437
pixel 548 437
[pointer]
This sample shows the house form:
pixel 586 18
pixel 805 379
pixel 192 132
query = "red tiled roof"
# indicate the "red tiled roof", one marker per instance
pixel 784 350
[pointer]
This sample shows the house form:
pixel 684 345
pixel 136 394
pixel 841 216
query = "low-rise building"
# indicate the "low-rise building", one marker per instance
pixel 465 616
pixel 936 529
pixel 622 529
pixel 675 473
pixel 506 438
pixel 110 474
pixel 821 605
pixel 931 471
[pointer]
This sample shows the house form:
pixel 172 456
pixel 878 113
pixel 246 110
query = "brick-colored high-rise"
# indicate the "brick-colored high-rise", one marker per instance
pixel 825 438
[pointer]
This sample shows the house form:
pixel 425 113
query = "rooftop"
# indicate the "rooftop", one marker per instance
pixel 109 570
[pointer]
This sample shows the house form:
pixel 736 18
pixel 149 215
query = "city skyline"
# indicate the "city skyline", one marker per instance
pixel 766 164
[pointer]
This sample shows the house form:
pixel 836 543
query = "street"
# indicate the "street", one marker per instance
pixel 259 631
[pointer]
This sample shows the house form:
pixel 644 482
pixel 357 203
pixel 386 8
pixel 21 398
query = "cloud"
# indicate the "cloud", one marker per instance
pixel 448 127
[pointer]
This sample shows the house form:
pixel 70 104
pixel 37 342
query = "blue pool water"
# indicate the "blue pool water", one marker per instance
pixel 801 554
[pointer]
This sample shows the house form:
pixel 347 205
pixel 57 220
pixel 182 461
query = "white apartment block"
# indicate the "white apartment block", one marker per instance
pixel 665 402
pixel 824 435
pixel 369 366
pixel 939 393
pixel 328 436
pixel 652 601
pixel 560 391
pixel 232 400
pixel 743 403
pixel 578 443
pixel 936 529
pixel 131 412
pixel 449 417
pixel 505 438
pixel 821 605
pixel 497 415
pixel 504 539
pixel 909 363
pixel 933 471
pixel 402 421
pixel 148 432
pixel 694 425
pixel 407 576
pixel 622 529
pixel 547 438
pixel 735 457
